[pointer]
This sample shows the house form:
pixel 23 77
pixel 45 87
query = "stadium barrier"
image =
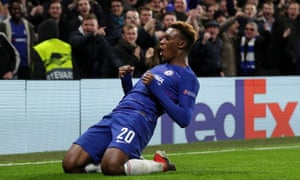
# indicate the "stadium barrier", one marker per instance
pixel 39 116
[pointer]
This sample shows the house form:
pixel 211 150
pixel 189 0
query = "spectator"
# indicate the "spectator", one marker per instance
pixel 167 19
pixel 35 12
pixel 129 51
pixel 252 51
pixel 52 58
pixel 21 34
pixel 180 9
pixel 92 53
pixel 10 58
pixel 232 7
pixel 3 11
pixel 229 39
pixel 152 26
pixel 205 56
pixel 146 37
pixel 113 21
pixel 223 7
pixel 146 20
pixel 250 14
pixel 220 16
pixel 55 12
pixel 291 24
pixel 82 8
pixel 273 37
pixel 267 16
pixel 95 7
pixel 158 8
pixel 197 18
pixel 211 9
pixel 284 36
pixel 133 4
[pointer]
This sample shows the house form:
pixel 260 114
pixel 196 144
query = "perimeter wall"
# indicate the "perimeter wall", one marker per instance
pixel 37 116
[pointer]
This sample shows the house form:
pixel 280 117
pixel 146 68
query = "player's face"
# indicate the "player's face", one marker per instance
pixel 169 44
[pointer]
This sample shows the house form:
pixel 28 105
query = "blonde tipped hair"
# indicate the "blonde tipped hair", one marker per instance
pixel 187 32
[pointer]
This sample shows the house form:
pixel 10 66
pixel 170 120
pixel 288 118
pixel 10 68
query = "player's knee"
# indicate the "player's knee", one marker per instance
pixel 112 168
pixel 69 165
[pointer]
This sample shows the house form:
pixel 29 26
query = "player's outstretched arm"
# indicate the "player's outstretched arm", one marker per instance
pixel 182 112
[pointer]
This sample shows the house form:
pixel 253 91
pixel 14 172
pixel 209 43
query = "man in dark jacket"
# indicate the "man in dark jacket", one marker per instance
pixel 129 51
pixel 94 57
pixel 205 56
pixel 10 58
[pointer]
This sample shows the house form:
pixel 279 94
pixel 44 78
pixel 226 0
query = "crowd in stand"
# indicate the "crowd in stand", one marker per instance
pixel 76 39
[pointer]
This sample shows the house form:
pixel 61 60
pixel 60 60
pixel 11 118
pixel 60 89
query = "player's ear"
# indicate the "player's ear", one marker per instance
pixel 181 44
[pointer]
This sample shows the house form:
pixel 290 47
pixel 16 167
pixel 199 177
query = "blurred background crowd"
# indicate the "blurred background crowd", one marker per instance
pixel 76 39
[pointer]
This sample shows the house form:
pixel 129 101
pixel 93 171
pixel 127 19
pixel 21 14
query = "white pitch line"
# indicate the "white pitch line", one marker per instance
pixel 237 150
pixel 30 163
pixel 172 154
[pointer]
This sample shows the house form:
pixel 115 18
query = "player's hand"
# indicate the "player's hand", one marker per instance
pixel 123 70
pixel 147 78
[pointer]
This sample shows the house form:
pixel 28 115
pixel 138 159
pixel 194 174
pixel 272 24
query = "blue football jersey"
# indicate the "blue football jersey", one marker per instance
pixel 176 83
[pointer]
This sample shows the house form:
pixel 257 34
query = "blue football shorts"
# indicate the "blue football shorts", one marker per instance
pixel 128 132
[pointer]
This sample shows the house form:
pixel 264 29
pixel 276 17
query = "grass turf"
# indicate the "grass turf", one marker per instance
pixel 252 159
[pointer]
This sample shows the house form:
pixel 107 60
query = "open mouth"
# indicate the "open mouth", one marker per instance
pixel 161 51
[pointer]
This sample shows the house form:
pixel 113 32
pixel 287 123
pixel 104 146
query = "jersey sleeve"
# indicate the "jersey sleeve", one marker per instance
pixel 126 83
pixel 182 111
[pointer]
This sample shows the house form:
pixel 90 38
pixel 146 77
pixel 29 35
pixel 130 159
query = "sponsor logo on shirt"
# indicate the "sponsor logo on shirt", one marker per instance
pixel 159 79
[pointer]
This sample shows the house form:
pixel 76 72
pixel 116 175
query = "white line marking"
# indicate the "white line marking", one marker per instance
pixel 30 163
pixel 172 154
pixel 237 150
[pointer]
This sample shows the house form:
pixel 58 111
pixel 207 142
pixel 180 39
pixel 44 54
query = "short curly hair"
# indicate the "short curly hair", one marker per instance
pixel 187 32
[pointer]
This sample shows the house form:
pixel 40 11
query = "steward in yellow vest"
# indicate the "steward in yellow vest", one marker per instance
pixel 52 59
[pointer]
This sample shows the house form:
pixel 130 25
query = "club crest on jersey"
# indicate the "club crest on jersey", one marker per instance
pixel 169 73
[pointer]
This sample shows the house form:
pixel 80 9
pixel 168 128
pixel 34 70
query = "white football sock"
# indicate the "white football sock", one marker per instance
pixel 139 166
pixel 93 168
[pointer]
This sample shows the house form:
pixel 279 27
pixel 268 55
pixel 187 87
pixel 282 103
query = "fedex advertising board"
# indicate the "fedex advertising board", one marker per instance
pixel 239 109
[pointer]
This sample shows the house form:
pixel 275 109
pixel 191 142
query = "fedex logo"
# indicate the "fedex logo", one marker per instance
pixel 244 112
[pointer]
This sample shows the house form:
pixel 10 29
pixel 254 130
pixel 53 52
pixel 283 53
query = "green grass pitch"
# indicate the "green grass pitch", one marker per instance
pixel 277 158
